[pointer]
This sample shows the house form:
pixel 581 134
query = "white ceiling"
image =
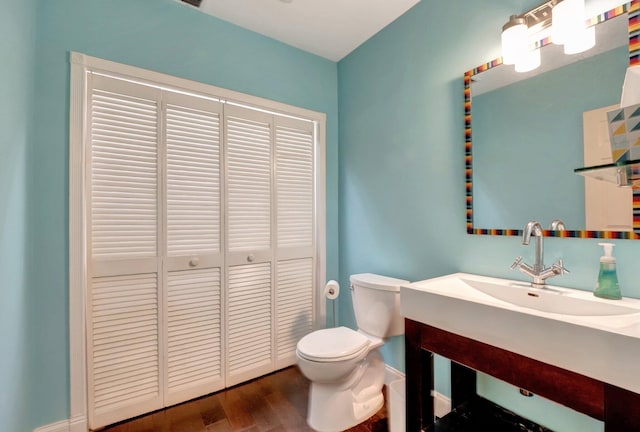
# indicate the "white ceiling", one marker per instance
pixel 328 28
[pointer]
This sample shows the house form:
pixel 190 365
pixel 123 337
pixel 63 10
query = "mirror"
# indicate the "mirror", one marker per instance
pixel 524 133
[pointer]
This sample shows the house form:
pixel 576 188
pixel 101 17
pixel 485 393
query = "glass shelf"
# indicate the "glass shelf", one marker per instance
pixel 626 173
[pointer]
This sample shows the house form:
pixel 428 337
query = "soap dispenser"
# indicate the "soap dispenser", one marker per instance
pixel 607 286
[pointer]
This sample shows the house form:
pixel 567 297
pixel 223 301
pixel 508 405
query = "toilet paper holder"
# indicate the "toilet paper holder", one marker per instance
pixel 331 292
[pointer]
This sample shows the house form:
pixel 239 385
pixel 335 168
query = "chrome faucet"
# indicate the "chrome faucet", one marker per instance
pixel 538 271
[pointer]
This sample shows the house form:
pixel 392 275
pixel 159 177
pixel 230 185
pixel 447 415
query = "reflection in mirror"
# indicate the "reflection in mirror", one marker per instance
pixel 527 134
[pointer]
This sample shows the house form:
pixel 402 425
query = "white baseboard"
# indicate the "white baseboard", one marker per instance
pixel 392 374
pixel 78 424
pixel 61 426
pixel 441 403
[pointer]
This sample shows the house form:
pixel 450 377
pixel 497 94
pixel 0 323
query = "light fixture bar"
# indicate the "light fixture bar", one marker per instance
pixel 540 16
pixel 564 20
pixel 516 44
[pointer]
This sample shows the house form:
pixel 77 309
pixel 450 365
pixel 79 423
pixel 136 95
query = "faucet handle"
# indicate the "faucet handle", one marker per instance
pixel 557 225
pixel 516 263
pixel 559 268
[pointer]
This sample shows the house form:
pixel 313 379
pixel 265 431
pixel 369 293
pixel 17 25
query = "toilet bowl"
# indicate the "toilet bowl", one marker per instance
pixel 331 355
pixel 344 366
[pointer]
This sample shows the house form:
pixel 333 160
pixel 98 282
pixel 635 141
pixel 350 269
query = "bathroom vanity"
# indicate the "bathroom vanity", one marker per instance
pixel 583 355
pixel 561 344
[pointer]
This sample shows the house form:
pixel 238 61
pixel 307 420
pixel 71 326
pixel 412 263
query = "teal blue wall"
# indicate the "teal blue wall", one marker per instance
pixel 402 207
pixel 163 36
pixel 17 43
pixel 402 149
pixel 399 208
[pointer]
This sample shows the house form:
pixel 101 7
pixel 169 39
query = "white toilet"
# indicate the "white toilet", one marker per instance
pixel 345 366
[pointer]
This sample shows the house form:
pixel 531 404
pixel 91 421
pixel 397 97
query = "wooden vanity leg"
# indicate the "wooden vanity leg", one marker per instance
pixel 621 410
pixel 463 384
pixel 419 380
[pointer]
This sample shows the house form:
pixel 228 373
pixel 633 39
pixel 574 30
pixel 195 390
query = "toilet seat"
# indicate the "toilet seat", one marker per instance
pixel 333 345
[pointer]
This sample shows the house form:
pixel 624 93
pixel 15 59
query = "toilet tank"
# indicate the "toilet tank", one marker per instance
pixel 376 303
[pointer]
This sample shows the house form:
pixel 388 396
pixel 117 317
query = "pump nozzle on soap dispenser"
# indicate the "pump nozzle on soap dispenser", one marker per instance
pixel 607 286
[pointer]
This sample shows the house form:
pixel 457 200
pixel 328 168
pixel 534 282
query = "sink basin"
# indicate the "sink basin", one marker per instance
pixel 565 327
pixel 552 300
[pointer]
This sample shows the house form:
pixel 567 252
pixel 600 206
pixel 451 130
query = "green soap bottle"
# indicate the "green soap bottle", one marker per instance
pixel 607 286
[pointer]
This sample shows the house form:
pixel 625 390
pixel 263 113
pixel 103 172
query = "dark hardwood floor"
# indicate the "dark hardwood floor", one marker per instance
pixel 274 403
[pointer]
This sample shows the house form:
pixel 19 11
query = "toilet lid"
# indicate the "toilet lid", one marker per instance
pixel 332 344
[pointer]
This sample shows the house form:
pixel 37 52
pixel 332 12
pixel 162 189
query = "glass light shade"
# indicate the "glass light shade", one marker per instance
pixel 514 40
pixel 529 60
pixel 567 20
pixel 581 41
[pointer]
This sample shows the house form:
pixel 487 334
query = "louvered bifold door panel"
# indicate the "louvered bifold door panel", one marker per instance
pixel 248 174
pixel 294 143
pixel 194 336
pixel 193 175
pixel 294 306
pixel 123 327
pixel 249 143
pixel 125 341
pixel 124 186
pixel 249 322
pixel 194 257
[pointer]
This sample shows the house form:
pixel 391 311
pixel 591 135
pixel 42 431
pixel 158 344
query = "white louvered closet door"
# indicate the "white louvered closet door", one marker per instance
pixel 200 245
pixel 193 311
pixel 124 338
pixel 249 245
pixel 295 257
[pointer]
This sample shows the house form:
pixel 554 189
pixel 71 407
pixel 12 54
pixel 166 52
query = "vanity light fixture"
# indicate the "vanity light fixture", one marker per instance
pixel 529 60
pixel 515 39
pixel 569 27
pixel 582 41
pixel 563 20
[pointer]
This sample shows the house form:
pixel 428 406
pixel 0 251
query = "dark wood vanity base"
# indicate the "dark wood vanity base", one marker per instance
pixel 618 408
pixel 479 414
